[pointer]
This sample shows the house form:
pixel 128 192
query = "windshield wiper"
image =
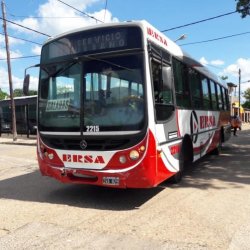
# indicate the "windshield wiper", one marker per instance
pixel 105 61
pixel 52 72
pixel 63 69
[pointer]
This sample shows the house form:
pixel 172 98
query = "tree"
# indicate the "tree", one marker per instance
pixel 32 92
pixel 246 105
pixel 243 7
pixel 246 95
pixel 17 92
pixel 3 95
pixel 224 78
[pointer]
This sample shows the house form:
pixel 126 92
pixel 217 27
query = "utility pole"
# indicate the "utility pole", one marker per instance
pixel 239 90
pixel 10 75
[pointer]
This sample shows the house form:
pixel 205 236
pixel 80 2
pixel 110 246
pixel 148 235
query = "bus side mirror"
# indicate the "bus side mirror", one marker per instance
pixel 167 76
pixel 26 83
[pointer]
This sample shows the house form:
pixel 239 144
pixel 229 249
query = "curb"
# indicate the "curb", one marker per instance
pixel 19 143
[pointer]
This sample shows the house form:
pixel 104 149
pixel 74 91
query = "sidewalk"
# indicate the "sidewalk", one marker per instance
pixel 246 126
pixel 21 139
pixel 31 141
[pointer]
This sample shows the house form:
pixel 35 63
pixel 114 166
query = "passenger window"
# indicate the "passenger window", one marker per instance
pixel 206 94
pixel 182 92
pixel 195 88
pixel 220 97
pixel 213 95
pixel 163 95
pixel 226 99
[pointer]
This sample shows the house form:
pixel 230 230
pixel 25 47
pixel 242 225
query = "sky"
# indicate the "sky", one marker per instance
pixel 223 57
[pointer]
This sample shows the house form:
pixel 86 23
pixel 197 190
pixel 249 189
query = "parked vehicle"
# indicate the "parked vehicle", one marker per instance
pixel 5 127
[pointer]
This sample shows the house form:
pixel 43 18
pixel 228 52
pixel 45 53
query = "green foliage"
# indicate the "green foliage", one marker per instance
pixel 223 78
pixel 17 92
pixel 3 95
pixel 32 92
pixel 246 105
pixel 243 7
pixel 246 95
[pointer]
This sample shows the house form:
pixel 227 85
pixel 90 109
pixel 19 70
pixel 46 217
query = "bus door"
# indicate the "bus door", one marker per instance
pixel 165 119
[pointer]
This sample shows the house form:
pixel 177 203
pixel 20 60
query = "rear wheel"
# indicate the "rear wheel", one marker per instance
pixel 217 150
pixel 185 158
pixel 182 165
pixel 178 176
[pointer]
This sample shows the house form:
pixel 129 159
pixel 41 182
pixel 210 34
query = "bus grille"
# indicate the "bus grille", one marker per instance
pixel 93 144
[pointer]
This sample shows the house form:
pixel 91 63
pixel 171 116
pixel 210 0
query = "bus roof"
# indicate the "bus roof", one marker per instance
pixel 153 35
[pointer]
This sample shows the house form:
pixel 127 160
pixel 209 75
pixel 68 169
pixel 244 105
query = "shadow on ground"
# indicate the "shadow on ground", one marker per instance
pixel 232 166
pixel 34 187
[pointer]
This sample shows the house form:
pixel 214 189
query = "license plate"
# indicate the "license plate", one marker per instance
pixel 110 181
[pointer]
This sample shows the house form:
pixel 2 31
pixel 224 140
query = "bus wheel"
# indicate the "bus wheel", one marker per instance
pixel 217 150
pixel 178 176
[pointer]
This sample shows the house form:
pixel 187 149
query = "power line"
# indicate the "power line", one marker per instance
pixel 18 38
pixel 46 17
pixel 19 57
pixel 216 39
pixel 205 41
pixel 200 21
pixel 84 13
pixel 41 17
pixel 24 27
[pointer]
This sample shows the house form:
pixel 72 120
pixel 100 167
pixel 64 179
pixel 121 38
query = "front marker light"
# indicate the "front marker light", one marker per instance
pixel 142 148
pixel 122 159
pixel 51 156
pixel 134 155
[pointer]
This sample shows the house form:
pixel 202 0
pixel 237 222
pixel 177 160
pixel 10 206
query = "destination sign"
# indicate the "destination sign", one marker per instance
pixel 92 41
pixel 88 43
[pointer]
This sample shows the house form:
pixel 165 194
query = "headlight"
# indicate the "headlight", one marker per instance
pixel 134 155
pixel 51 156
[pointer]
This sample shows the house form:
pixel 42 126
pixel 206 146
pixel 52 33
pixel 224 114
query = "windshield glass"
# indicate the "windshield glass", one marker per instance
pixel 94 95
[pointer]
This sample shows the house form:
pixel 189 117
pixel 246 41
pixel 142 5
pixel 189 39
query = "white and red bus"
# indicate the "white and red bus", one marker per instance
pixel 121 105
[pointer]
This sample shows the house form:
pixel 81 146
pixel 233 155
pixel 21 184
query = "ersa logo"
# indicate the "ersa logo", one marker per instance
pixel 194 126
pixel 77 158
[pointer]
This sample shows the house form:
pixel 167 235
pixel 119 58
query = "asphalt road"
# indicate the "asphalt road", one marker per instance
pixel 209 209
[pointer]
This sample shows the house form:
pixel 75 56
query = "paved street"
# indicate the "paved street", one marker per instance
pixel 209 209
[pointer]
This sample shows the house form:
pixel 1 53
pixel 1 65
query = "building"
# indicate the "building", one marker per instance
pixel 25 107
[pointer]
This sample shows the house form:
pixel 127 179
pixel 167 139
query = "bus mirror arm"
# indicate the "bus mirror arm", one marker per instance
pixel 26 81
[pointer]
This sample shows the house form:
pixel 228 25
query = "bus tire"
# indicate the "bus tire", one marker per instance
pixel 178 176
pixel 185 158
pixel 217 150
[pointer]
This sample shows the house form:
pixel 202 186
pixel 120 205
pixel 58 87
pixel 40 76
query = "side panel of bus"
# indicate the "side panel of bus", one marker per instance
pixel 190 113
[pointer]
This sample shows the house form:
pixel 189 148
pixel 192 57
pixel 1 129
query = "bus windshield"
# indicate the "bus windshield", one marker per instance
pixel 93 94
